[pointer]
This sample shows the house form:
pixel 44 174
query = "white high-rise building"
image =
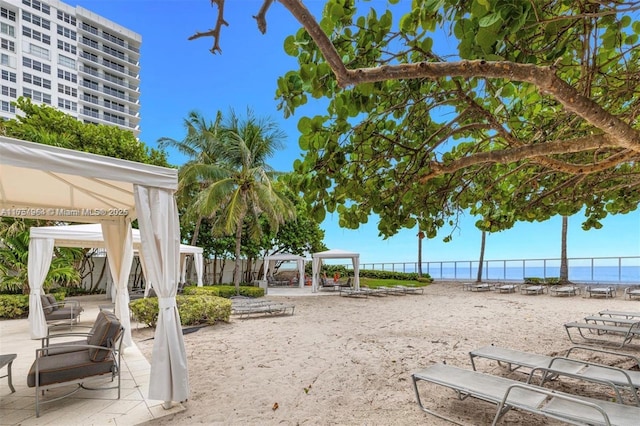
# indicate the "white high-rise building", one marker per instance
pixel 71 59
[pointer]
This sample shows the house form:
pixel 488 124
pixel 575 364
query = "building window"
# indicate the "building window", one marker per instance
pixel 8 76
pixel 67 104
pixel 114 105
pixel 91 98
pixel 7 29
pixel 66 75
pixel 67 90
pixel 92 112
pixel 36 35
pixel 90 84
pixel 90 42
pixel 36 96
pixel 36 65
pixel 8 61
pixel 65 17
pixel 67 62
pixel 114 118
pixel 67 47
pixel 9 91
pixel 38 5
pixel 89 28
pixel 7 45
pixel 7 14
pixel 36 20
pixel 113 52
pixel 36 80
pixel 114 39
pixel 89 56
pixel 113 65
pixel 38 51
pixel 66 32
pixel 6 106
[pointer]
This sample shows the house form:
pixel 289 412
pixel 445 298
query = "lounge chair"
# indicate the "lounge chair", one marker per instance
pixel 509 394
pixel 362 292
pixel 601 291
pixel 625 333
pixel 412 290
pixel 564 290
pixel 507 288
pixel 477 286
pixel 245 307
pixel 76 362
pixel 60 313
pixel 624 314
pixel 272 282
pixel 533 289
pixel 632 292
pixel 614 377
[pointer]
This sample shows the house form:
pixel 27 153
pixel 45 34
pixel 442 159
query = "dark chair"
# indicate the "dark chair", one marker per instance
pixel 68 363
pixel 67 311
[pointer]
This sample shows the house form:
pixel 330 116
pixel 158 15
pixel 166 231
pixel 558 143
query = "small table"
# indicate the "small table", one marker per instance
pixel 8 360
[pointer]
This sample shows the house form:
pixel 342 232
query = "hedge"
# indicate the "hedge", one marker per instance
pixel 193 309
pixel 225 291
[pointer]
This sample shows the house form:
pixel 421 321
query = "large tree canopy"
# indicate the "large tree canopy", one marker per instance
pixel 516 109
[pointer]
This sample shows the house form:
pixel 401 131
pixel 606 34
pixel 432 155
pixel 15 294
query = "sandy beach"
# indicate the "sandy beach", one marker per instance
pixel 348 361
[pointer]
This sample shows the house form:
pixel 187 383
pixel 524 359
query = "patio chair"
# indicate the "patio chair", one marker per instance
pixel 60 313
pixel 247 306
pixel 507 288
pixel 508 394
pixel 76 362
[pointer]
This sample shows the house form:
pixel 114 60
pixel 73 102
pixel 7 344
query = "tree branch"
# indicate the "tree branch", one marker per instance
pixel 261 17
pixel 215 32
pixel 521 153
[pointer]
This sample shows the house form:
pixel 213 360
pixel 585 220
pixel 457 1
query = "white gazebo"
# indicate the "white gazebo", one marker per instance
pixel 335 254
pixel 90 236
pixel 45 182
pixel 285 257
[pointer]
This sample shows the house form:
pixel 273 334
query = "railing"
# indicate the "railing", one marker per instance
pixel 620 270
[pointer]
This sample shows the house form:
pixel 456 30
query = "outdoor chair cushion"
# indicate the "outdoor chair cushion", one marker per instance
pixel 46 305
pixel 67 367
pixel 53 302
pixel 105 331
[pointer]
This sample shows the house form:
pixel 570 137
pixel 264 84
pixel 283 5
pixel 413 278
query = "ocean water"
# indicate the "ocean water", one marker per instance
pixel 618 270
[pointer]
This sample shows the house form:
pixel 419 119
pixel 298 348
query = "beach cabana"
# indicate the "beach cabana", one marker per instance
pixel 335 254
pixel 90 236
pixel 50 183
pixel 285 257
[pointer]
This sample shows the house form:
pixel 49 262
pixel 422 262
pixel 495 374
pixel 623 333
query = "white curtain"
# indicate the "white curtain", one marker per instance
pixel 147 282
pixel 160 238
pixel 38 263
pixel 119 243
pixel 183 268
pixel 197 260
pixel 356 272
pixel 315 271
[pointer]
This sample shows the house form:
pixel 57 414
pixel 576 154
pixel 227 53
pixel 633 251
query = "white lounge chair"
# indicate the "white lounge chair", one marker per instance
pixel 509 394
pixel 615 377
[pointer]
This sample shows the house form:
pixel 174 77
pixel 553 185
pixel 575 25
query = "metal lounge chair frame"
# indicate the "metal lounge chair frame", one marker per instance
pixel 614 377
pixel 564 290
pixel 247 306
pixel 508 394
pixel 627 332
pixel 608 291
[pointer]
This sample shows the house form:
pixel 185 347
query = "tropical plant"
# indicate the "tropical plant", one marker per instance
pixel 228 164
pixel 14 254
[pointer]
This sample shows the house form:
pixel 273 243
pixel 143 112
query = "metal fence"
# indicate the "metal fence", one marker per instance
pixel 621 270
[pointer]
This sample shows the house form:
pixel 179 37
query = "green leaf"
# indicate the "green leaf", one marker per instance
pixel 290 46
pixel 488 20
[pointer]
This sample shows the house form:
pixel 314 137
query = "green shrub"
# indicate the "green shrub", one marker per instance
pixel 193 309
pixel 392 275
pixel 552 280
pixel 14 306
pixel 533 280
pixel 225 291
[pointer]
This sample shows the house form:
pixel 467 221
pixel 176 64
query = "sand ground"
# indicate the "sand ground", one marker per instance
pixel 348 361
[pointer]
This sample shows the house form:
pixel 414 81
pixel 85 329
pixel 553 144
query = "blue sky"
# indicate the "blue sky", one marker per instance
pixel 179 76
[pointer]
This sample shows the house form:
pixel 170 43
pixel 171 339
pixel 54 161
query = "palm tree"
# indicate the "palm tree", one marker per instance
pixel 228 163
pixel 564 261
pixel 199 146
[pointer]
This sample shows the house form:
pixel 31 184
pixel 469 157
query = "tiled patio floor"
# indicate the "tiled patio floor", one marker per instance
pixel 84 407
